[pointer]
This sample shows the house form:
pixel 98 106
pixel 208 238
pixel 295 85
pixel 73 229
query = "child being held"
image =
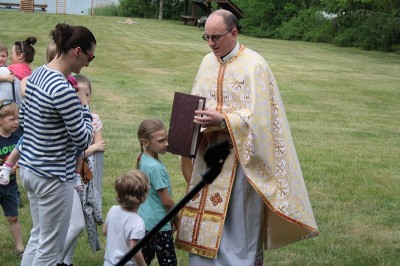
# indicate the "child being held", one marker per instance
pixel 11 162
pixel 123 226
pixel 3 55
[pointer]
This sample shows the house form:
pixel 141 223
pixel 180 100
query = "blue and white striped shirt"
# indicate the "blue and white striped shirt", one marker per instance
pixel 55 125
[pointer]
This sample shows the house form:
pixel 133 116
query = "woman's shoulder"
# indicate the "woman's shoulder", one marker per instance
pixel 52 82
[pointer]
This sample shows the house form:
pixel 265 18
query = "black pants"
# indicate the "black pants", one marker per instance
pixel 162 245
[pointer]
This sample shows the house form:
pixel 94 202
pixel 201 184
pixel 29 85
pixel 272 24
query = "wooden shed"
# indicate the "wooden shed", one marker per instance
pixel 207 7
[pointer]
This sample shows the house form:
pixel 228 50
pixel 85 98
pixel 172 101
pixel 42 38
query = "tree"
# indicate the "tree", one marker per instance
pixel 138 8
pixel 263 17
pixel 161 12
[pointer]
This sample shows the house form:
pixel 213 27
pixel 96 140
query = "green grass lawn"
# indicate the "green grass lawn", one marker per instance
pixel 343 106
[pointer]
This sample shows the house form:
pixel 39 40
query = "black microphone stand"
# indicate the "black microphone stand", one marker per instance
pixel 214 157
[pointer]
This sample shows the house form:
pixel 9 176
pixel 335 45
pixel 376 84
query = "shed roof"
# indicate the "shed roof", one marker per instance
pixel 224 4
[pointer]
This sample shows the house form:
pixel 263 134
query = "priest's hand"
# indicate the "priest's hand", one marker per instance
pixel 208 118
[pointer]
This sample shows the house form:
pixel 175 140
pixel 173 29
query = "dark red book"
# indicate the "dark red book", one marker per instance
pixel 183 133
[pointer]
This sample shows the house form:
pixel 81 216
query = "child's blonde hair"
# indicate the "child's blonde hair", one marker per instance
pixel 8 107
pixel 51 52
pixel 3 48
pixel 146 128
pixel 84 79
pixel 131 188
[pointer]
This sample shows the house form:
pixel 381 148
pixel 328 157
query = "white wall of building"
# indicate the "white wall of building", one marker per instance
pixel 76 7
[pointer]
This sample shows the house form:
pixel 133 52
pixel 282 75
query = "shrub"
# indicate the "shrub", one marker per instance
pixel 111 10
pixel 308 25
pixel 369 30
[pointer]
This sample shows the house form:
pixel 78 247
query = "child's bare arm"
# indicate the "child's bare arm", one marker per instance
pixel 23 86
pixel 166 199
pixel 168 204
pixel 138 257
pixel 97 145
pixel 104 229
pixel 8 77
pixel 13 157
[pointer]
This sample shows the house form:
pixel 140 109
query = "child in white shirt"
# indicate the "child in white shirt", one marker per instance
pixel 123 226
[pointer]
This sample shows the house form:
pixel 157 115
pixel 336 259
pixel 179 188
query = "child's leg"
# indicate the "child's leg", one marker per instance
pixel 11 212
pixel 148 250
pixel 15 229
pixel 166 255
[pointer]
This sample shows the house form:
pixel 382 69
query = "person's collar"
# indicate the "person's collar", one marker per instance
pixel 232 54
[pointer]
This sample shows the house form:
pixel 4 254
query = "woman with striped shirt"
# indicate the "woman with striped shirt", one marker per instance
pixel 57 123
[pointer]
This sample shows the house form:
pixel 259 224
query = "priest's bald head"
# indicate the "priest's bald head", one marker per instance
pixel 221 32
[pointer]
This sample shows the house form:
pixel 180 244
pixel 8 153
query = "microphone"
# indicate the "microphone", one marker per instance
pixel 214 157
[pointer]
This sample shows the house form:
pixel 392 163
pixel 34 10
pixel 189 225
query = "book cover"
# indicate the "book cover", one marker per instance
pixel 183 134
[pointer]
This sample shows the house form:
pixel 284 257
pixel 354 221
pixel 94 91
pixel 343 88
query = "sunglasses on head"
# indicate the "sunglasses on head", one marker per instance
pixel 5 103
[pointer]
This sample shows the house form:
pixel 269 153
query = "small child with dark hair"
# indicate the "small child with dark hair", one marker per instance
pixel 123 226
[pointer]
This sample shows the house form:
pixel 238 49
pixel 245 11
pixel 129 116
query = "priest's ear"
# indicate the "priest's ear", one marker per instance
pixel 235 33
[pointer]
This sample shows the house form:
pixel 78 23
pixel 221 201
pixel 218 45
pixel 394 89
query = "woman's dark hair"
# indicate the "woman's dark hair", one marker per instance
pixel 26 48
pixel 66 37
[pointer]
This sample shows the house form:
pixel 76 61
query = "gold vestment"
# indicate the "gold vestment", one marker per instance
pixel 245 92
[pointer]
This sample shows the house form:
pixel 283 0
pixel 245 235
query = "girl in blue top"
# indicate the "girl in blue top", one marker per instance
pixel 152 136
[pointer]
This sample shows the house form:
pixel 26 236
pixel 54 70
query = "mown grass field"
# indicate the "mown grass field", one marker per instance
pixel 343 106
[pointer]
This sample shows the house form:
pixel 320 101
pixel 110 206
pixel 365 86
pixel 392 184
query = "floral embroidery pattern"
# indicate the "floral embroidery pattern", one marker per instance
pixel 216 199
pixel 195 197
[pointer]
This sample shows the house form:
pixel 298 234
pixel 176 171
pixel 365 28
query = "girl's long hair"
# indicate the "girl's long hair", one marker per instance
pixel 146 128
